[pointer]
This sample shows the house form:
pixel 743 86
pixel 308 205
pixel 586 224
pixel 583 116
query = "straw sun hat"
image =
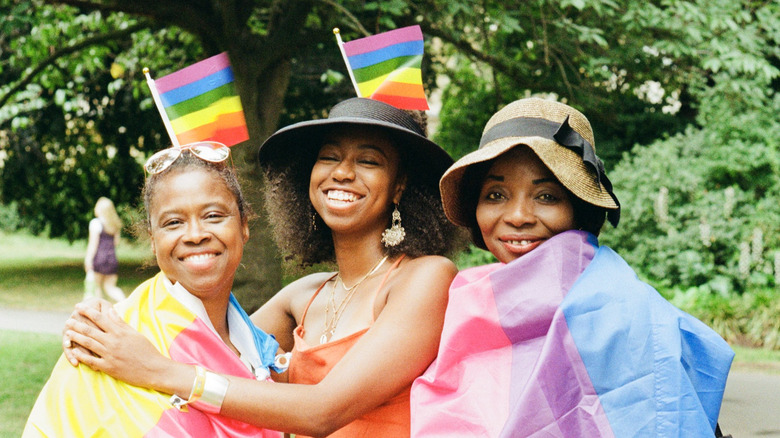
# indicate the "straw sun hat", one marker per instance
pixel 560 136
pixel 301 141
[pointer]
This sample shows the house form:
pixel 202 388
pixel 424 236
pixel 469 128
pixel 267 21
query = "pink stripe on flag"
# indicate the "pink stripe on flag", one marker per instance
pixel 192 73
pixel 197 343
pixel 382 40
pixel 466 391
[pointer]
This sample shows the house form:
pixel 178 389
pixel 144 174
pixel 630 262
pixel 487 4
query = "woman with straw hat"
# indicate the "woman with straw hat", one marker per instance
pixel 359 188
pixel 559 338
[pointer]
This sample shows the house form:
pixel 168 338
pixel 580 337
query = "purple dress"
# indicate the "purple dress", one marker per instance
pixel 105 261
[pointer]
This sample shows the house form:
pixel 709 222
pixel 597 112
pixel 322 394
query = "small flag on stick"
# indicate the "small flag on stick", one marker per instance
pixel 386 67
pixel 200 102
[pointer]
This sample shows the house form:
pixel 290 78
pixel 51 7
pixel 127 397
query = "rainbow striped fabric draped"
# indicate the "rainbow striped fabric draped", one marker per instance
pixel 202 104
pixel 387 67
pixel 566 341
pixel 79 402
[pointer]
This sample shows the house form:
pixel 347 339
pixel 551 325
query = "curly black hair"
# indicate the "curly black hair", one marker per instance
pixel 300 232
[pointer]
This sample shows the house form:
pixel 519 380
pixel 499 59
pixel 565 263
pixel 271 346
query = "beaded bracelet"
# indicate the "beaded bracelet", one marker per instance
pixel 198 386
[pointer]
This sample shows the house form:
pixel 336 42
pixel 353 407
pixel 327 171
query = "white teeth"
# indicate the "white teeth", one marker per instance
pixel 339 195
pixel 519 242
pixel 199 257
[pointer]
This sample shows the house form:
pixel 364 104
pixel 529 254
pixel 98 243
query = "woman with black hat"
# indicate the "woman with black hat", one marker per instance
pixel 360 189
pixel 560 338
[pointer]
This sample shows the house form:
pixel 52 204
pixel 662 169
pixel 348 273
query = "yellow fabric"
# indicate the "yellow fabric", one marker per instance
pixel 79 402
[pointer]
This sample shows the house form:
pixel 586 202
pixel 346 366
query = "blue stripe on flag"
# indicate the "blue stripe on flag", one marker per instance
pixel 657 370
pixel 408 48
pixel 193 89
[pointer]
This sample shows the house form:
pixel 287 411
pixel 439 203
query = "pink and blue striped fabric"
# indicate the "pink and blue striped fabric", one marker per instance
pixel 566 341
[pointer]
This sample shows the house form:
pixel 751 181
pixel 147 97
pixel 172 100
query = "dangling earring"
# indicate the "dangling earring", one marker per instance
pixel 313 221
pixel 395 234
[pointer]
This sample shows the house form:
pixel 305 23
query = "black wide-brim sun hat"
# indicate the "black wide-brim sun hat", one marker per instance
pixel 302 140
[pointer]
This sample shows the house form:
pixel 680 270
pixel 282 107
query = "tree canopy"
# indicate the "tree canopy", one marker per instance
pixel 77 121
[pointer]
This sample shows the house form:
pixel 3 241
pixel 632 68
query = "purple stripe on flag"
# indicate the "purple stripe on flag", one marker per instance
pixel 194 89
pixel 192 73
pixel 549 384
pixel 382 40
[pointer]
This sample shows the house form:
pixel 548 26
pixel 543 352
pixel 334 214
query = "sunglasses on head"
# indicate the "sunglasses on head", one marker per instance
pixel 211 151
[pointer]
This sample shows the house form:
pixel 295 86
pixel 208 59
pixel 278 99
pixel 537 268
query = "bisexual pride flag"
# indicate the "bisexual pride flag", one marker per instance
pixel 80 402
pixel 200 103
pixel 566 342
pixel 386 67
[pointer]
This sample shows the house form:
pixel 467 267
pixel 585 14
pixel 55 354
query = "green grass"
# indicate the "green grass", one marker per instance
pixel 37 273
pixel 25 365
pixel 757 359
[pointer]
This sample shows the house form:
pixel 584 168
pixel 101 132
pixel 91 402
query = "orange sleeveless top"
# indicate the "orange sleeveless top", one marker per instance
pixel 310 364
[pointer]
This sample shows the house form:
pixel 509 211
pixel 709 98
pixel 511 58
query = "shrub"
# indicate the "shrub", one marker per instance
pixel 700 209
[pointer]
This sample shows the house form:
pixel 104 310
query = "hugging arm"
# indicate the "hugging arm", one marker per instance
pixel 399 346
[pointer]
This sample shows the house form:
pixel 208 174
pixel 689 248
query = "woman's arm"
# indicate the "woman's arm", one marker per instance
pixel 278 315
pixel 399 346
pixel 92 243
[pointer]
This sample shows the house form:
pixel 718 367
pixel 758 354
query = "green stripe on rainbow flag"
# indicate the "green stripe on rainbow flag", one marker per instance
pixel 201 103
pixel 389 67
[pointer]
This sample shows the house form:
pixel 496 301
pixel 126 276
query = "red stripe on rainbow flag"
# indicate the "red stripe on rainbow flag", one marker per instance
pixel 409 103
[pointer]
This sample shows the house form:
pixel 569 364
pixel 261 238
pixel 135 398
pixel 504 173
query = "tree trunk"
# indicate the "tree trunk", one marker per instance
pixel 262 88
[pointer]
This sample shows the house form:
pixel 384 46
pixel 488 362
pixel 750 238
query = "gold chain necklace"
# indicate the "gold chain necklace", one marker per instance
pixel 330 325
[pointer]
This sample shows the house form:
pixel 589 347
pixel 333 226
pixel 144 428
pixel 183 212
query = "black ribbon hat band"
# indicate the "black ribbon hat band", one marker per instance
pixel 563 134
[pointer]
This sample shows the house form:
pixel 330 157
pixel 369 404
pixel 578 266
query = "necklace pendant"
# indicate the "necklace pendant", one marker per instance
pixel 323 338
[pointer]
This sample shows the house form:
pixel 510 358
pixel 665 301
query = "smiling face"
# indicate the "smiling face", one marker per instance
pixel 521 204
pixel 355 180
pixel 197 231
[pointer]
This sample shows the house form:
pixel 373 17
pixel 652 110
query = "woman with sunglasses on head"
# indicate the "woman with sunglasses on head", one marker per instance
pixel 560 338
pixel 360 189
pixel 197 220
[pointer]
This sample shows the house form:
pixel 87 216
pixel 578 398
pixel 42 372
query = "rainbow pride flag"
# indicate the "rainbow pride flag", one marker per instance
pixel 386 67
pixel 566 341
pixel 202 104
pixel 79 402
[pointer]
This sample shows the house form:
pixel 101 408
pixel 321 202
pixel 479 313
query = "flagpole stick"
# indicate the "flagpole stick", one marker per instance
pixel 346 61
pixel 160 108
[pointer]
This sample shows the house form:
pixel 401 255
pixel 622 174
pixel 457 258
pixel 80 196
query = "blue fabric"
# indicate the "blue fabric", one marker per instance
pixel 657 370
pixel 266 344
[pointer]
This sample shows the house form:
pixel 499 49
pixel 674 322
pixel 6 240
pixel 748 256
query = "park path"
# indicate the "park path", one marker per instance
pixel 751 405
pixel 32 320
